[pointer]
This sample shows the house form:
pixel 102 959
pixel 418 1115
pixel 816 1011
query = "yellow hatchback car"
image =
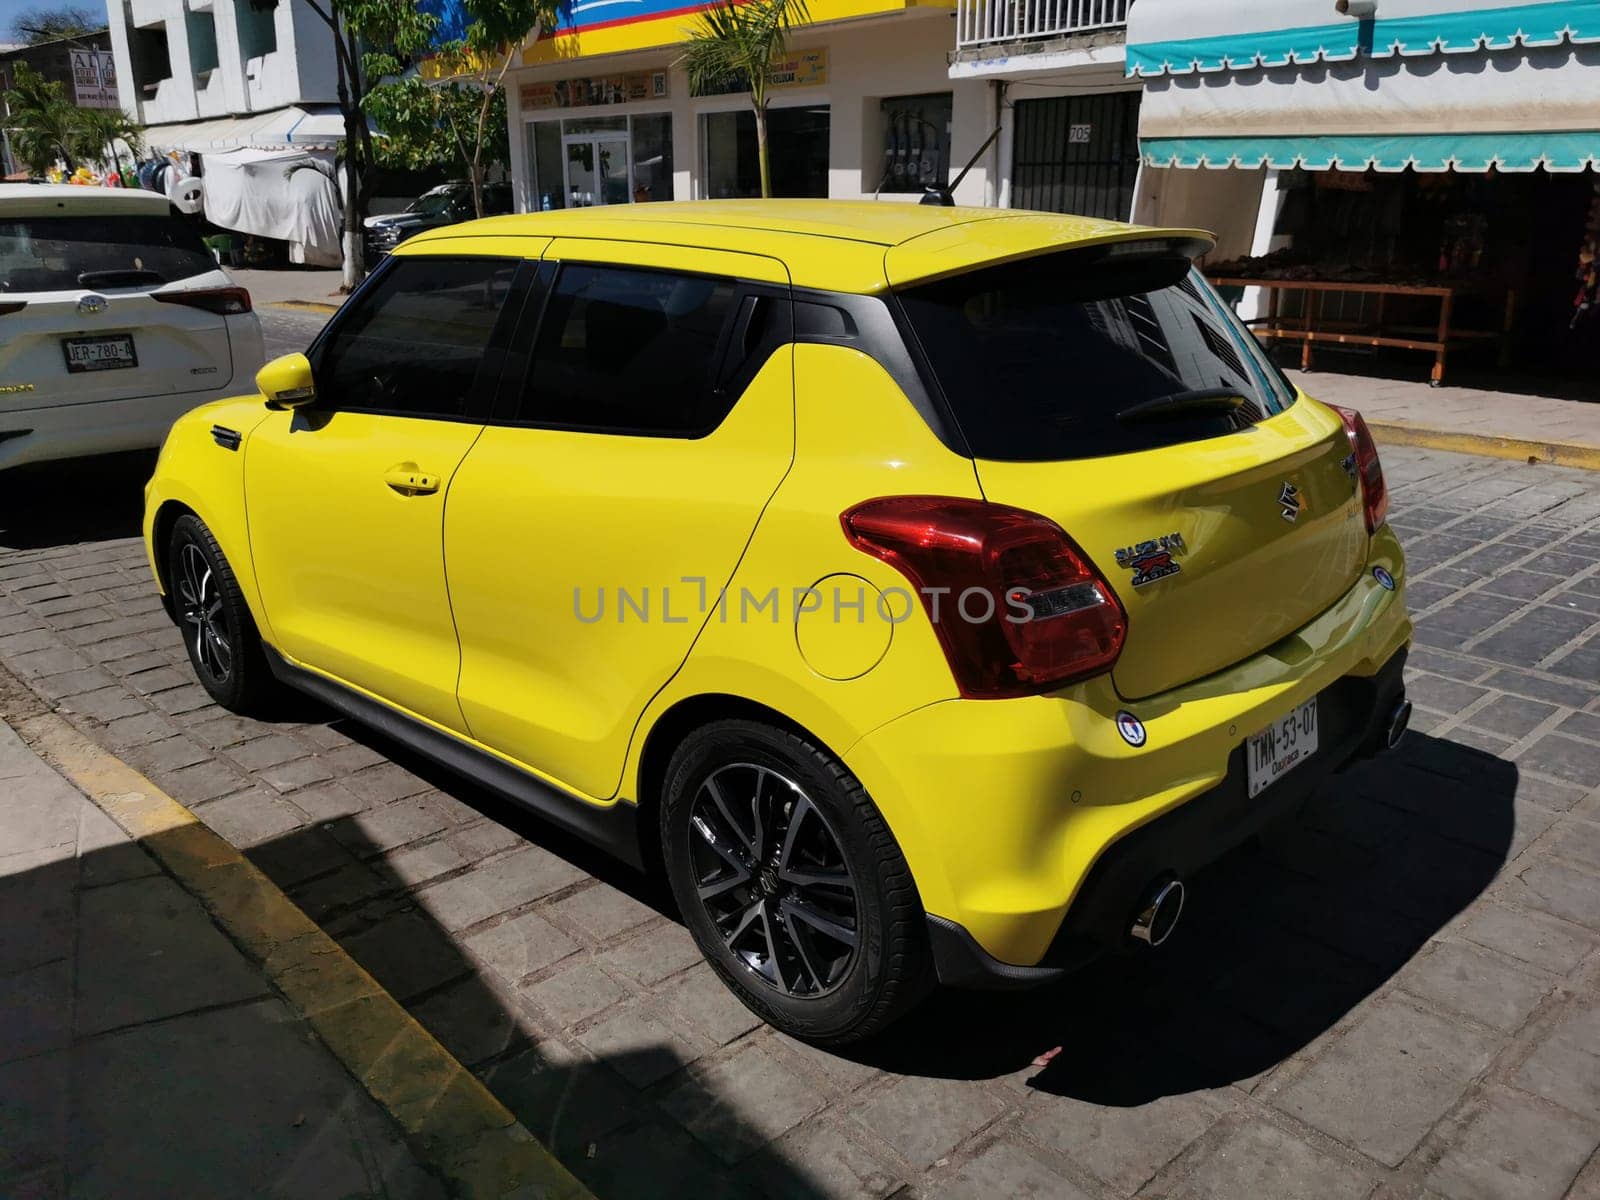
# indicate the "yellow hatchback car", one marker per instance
pixel 929 592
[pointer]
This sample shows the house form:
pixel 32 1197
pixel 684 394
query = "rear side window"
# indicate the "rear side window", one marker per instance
pixel 630 351
pixel 51 254
pixel 1082 354
pixel 413 343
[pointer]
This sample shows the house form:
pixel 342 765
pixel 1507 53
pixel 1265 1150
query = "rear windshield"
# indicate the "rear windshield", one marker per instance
pixel 1082 354
pixel 49 254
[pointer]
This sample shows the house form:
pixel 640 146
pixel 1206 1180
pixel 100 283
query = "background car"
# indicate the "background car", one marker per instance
pixel 706 540
pixel 115 319
pixel 444 205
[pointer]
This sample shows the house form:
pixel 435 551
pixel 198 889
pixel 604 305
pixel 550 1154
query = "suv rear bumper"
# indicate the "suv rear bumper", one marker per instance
pixel 1353 717
pixel 1005 809
pixel 101 427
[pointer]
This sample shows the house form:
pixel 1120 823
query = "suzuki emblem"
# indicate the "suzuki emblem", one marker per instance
pixel 1289 502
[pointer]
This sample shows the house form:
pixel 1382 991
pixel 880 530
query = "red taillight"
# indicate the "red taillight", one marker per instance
pixel 1374 492
pixel 1017 607
pixel 225 302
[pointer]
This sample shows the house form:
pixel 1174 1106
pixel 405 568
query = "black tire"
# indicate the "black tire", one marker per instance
pixel 827 990
pixel 218 631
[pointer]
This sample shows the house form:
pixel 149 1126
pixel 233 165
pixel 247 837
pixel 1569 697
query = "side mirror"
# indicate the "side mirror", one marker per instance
pixel 286 382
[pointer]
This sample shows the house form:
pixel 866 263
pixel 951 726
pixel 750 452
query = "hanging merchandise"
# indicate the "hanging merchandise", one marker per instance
pixel 1588 271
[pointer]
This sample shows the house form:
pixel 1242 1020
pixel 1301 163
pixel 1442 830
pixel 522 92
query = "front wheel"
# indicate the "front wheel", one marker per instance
pixel 791 883
pixel 218 631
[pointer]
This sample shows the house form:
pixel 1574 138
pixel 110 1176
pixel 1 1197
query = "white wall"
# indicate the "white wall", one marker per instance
pixel 1223 202
pixel 867 61
pixel 300 71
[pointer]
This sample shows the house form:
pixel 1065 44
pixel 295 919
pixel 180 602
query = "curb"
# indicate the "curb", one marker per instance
pixel 302 305
pixel 453 1122
pixel 1560 454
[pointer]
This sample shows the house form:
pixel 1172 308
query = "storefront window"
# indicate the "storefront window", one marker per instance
pixel 798 143
pixel 916 142
pixel 652 157
pixel 584 161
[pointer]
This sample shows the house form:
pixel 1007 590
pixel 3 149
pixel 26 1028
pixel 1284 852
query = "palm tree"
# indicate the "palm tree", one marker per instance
pixel 735 44
pixel 43 123
pixel 100 129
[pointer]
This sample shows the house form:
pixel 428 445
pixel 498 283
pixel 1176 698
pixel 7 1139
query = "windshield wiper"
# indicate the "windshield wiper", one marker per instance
pixel 1185 404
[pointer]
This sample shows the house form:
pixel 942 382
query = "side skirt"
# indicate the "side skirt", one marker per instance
pixel 614 829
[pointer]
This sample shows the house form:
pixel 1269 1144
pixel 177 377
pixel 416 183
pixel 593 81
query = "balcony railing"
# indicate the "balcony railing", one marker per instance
pixel 982 22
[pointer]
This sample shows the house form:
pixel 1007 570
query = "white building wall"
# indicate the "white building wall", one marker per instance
pixel 300 70
pixel 868 60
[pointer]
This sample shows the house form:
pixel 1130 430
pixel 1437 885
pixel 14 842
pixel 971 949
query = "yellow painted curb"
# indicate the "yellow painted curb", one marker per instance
pixel 303 305
pixel 1560 454
pixel 453 1121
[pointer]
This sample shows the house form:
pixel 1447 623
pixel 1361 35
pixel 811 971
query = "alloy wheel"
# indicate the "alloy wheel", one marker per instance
pixel 770 874
pixel 200 602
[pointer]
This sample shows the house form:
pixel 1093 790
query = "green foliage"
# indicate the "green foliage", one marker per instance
pixel 37 25
pixel 46 126
pixel 418 122
pixel 733 47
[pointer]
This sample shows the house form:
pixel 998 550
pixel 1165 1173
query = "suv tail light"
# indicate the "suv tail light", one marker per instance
pixel 1374 492
pixel 224 301
pixel 1017 607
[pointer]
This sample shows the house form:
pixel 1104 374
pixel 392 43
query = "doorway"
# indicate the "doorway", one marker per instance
pixel 596 169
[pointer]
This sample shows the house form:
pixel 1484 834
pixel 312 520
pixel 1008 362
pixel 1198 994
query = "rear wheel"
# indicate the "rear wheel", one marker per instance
pixel 791 883
pixel 218 631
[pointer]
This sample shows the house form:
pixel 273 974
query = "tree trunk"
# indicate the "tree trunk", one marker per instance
pixel 350 242
pixel 761 152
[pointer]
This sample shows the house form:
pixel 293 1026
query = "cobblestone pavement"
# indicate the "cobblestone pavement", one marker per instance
pixel 1399 995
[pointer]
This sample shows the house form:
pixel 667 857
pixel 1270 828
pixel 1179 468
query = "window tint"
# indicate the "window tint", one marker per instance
pixel 1042 360
pixel 46 254
pixel 415 340
pixel 628 351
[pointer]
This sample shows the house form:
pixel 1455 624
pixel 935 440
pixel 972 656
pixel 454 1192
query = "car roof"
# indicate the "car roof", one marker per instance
pixel 56 199
pixel 841 245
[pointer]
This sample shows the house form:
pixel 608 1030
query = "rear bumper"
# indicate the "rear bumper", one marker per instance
pixel 1353 715
pixel 1005 810
pixel 103 427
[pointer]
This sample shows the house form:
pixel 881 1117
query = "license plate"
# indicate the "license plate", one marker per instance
pixel 1281 747
pixel 99 353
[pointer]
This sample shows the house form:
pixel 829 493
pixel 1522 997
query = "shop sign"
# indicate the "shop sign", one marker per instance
pixel 94 79
pixel 800 68
pixel 595 90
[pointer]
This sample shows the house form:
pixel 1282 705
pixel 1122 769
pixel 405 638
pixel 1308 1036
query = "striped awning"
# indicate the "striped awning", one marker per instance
pixel 1176 37
pixel 1469 88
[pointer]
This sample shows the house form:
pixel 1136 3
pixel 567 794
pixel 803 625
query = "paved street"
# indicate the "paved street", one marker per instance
pixel 1398 996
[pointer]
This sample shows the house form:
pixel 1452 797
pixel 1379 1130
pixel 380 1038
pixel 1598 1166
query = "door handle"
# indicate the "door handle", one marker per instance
pixel 409 480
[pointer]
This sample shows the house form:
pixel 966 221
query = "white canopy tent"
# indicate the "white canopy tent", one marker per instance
pixel 269 174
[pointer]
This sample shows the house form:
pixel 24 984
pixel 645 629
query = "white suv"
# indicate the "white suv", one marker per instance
pixel 114 321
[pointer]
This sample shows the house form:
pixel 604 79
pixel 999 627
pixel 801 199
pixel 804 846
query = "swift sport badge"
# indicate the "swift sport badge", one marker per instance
pixel 1289 502
pixel 1152 560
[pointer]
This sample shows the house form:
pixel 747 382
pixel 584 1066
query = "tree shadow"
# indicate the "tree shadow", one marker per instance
pixel 1279 941
pixel 77 500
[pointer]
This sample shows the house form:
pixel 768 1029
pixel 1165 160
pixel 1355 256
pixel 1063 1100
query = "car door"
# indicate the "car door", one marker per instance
pixel 625 475
pixel 346 497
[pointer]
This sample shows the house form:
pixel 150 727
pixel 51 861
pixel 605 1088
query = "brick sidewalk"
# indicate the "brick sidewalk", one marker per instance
pixel 140 1053
pixel 1400 996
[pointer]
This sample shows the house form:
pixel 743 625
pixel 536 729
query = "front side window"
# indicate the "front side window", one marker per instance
pixel 1082 354
pixel 414 341
pixel 630 351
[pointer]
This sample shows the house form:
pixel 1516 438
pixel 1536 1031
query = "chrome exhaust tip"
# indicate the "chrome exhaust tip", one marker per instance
pixel 1158 913
pixel 1399 722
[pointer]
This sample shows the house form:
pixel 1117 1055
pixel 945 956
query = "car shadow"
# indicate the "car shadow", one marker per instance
pixel 77 500
pixel 1278 942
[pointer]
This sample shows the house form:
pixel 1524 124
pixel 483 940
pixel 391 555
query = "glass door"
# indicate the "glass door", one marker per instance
pixel 597 170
